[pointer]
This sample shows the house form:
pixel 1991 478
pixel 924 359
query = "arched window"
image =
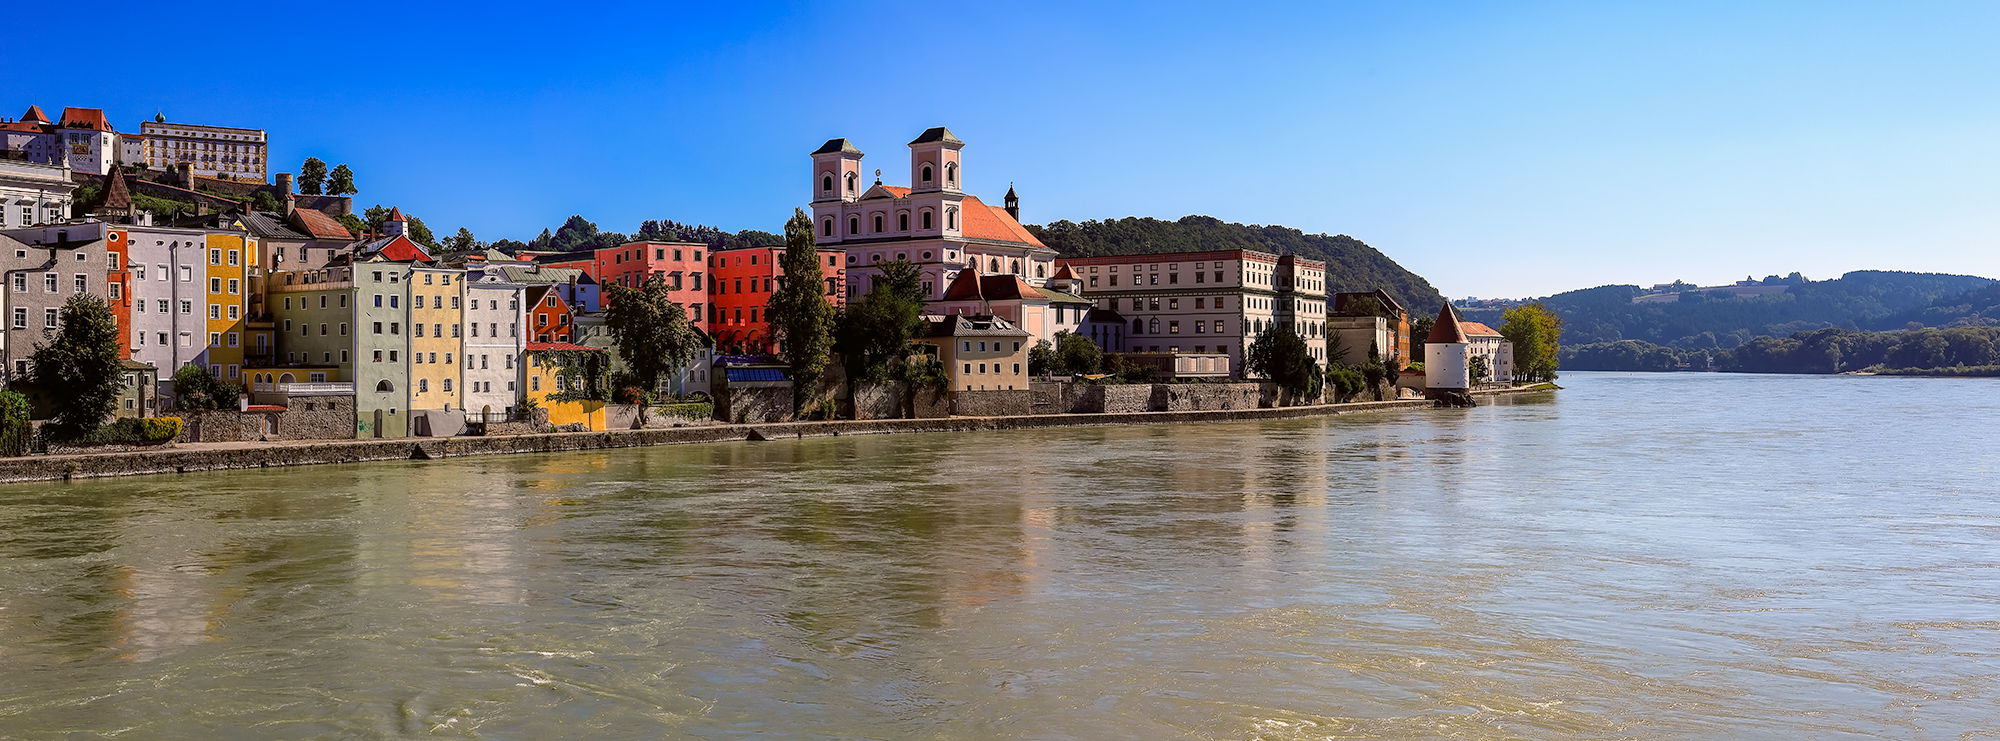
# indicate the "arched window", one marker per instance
pixel 951 173
pixel 951 218
pixel 826 183
pixel 993 266
pixel 385 386
pixel 927 219
pixel 926 174
pixel 1153 326
pixel 878 223
pixel 1014 266
pixel 288 378
pixel 851 185
pixel 903 221
pixel 853 225
pixel 826 229
pixel 1041 271
pixel 1138 326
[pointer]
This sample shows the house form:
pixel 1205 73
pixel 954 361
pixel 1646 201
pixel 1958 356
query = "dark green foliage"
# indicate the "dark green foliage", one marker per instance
pixel 420 233
pixel 716 239
pixel 1075 353
pixel 14 413
pixel 161 207
pixel 1283 357
pixel 1042 358
pixel 80 367
pixel 1698 321
pixel 1345 383
pixel 1537 336
pixel 133 431
pixel 196 390
pixel 652 331
pixel 264 201
pixel 463 241
pixel 801 319
pixel 354 224
pixel 312 176
pixel 340 182
pixel 1919 351
pixel 1976 308
pixel 1631 355
pixel 1351 265
pixel 1420 328
pixel 875 331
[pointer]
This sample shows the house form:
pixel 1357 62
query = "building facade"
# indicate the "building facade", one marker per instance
pixel 33 193
pixel 493 346
pixel 980 353
pixel 741 290
pixel 214 151
pixel 437 329
pixel 44 267
pixel 382 348
pixel 1216 302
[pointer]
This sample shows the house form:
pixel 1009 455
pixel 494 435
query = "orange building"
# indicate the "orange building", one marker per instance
pixel 740 293
pixel 118 286
pixel 549 316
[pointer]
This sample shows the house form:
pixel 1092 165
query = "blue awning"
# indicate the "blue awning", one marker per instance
pixel 737 375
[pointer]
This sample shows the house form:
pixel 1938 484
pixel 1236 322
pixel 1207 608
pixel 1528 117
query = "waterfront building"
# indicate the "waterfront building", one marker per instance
pixel 691 378
pixel 741 293
pixel 166 272
pixel 1483 342
pixel 493 345
pixel 679 264
pixel 550 318
pixel 34 193
pixel 230 252
pixel 382 348
pixel 299 238
pixel 981 352
pixel 437 319
pixel 1104 327
pixel 933 223
pixel 552 375
pixel 1041 312
pixel 1215 302
pixel 1396 321
pixel 314 314
pixel 44 266
pixel 222 152
pixel 1446 360
pixel 574 284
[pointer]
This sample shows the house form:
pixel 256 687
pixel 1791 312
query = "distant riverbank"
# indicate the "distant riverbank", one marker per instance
pixel 193 457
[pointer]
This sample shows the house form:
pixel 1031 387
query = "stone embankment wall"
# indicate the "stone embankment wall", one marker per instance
pixel 53 467
pixel 992 403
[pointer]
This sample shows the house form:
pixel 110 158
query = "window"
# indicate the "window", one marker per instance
pixel 903 221
pixel 927 219
pixel 235 311
pixel 926 174
pixel 232 257
pixel 378 327
pixel 423 385
pixel 534 383
pixel 187 274
pixel 951 218
pixel 20 282
pixel 1218 326
pixel 878 223
pixel 826 183
pixel 187 307
pixel 232 336
pixel 48 283
pixel 447 385
pixel 1173 327
pixel 118 292
pixel 968 367
pixel 854 225
pixel 20 317
pixel 215 257
pixel 215 311
pixel 215 339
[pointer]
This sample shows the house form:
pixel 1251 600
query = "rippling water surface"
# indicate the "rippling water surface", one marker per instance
pixel 1640 556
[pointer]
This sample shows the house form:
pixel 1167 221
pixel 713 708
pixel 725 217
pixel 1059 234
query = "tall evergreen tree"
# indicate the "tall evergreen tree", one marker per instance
pixel 312 176
pixel 80 366
pixel 800 316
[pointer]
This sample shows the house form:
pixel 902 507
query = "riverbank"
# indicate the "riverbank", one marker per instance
pixel 194 457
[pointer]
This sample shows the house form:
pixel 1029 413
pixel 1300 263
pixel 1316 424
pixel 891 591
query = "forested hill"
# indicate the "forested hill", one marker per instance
pixel 1351 265
pixel 1976 308
pixel 1859 300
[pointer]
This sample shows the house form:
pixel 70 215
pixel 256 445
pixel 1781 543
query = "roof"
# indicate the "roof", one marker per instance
pixel 85 118
pixel 1104 316
pixel 561 346
pixel 116 196
pixel 1388 302
pixel 837 145
pixel 1064 273
pixel 978 325
pixel 264 224
pixel 1060 297
pixel 887 191
pixel 965 286
pixel 134 365
pixel 737 375
pixel 396 214
pixel 1475 329
pixel 1446 330
pixel 319 225
pixel 396 248
pixel 545 275
pixel 34 115
pixel 995 224
pixel 936 134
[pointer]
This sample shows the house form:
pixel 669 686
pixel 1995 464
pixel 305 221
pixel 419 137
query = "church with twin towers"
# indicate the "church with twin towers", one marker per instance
pixel 932 223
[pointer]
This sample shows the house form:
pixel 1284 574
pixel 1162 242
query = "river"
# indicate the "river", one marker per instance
pixel 1637 556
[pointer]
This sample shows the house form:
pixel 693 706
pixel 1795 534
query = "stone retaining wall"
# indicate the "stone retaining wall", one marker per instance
pixel 992 403
pixel 53 467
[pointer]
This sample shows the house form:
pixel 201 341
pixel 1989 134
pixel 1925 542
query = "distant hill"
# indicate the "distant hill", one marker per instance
pixel 1351 264
pixel 1859 300
pixel 1979 307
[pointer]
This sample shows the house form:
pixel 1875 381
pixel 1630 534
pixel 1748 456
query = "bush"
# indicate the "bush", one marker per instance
pixel 132 431
pixel 1346 383
pixel 13 423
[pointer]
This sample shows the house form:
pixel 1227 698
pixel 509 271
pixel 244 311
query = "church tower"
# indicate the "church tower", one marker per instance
pixel 837 172
pixel 1013 203
pixel 934 163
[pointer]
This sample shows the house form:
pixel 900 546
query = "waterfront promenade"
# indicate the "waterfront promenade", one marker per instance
pixel 194 457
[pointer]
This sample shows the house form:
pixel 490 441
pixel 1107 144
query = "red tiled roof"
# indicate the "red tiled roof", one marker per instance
pixel 965 287
pixel 1064 273
pixel 34 115
pixel 896 191
pixel 971 286
pixel 1446 330
pixel 991 223
pixel 561 346
pixel 319 225
pixel 1475 329
pixel 116 196
pixel 396 214
pixel 85 118
pixel 401 249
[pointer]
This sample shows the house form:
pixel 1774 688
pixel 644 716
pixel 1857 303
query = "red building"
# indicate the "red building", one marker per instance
pixel 679 264
pixel 549 317
pixel 742 286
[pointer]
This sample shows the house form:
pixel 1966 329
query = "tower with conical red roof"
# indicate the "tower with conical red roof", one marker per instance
pixel 1447 365
pixel 396 224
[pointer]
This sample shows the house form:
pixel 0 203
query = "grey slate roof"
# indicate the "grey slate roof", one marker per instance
pixel 531 274
pixel 271 226
pixel 956 325
pixel 837 145
pixel 936 134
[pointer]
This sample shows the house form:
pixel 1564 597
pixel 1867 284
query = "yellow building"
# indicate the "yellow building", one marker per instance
pixel 437 318
pixel 563 369
pixel 230 256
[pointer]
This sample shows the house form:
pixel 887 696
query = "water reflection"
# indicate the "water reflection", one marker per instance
pixel 1648 557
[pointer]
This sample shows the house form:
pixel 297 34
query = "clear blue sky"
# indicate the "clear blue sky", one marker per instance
pixel 1499 149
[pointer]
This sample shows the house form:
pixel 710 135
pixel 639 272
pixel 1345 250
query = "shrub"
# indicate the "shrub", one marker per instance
pixel 1346 382
pixel 133 431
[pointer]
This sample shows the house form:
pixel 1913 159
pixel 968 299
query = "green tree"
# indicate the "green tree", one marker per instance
pixel 375 216
pixel 652 331
pixel 80 367
pixel 312 176
pixel 196 390
pixel 340 182
pixel 354 224
pixel 1537 336
pixel 463 241
pixel 800 317
pixel 1345 383
pixel 875 330
pixel 1075 353
pixel 420 233
pixel 1283 357
pixel 1042 359
pixel 264 201
pixel 1479 370
pixel 1420 328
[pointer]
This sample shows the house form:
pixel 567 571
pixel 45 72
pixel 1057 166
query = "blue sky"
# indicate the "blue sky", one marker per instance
pixel 1499 149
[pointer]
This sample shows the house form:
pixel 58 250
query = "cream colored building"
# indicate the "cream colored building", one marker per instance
pixel 1216 302
pixel 437 339
pixel 214 151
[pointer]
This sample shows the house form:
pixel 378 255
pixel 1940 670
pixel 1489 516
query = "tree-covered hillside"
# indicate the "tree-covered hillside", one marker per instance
pixel 1351 265
pixel 1975 308
pixel 1857 300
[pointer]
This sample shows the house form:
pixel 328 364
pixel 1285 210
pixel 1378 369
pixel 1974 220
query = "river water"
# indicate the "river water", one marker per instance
pixel 1638 556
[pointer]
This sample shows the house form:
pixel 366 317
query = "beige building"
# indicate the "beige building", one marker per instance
pixel 980 353
pixel 437 318
pixel 213 151
pixel 1216 302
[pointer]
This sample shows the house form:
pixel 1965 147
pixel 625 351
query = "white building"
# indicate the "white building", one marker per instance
pixel 168 278
pixel 33 193
pixel 493 345
pixel 214 151
pixel 1482 342
pixel 1446 359
pixel 82 140
pixel 933 223
pixel 1217 302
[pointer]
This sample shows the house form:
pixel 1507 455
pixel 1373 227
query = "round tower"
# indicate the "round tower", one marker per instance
pixel 1447 363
